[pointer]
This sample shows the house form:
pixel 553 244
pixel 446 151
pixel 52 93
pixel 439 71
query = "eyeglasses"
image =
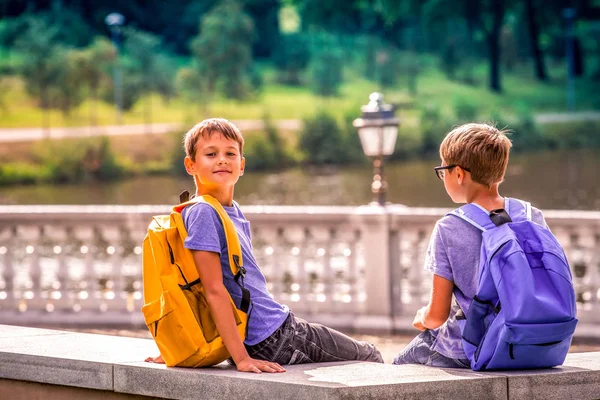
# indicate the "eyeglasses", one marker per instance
pixel 441 171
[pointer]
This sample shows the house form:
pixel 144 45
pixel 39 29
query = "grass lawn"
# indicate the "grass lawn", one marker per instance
pixel 521 91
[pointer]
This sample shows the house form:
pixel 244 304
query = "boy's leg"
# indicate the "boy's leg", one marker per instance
pixel 419 351
pixel 318 343
pixel 299 342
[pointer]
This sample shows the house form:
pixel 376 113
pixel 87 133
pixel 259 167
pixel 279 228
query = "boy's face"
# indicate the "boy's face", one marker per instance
pixel 218 162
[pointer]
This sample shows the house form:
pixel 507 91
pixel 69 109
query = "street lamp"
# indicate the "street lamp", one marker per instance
pixel 114 22
pixel 378 131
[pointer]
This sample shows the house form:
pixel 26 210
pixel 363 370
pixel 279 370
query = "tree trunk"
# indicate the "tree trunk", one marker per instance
pixel 494 45
pixel 148 113
pixel 538 58
pixel 45 110
pixel 94 105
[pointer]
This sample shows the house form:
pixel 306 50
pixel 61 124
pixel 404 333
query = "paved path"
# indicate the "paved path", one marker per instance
pixel 552 118
pixel 31 134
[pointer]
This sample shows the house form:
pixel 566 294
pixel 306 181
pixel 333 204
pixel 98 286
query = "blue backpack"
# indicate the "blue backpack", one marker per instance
pixel 523 315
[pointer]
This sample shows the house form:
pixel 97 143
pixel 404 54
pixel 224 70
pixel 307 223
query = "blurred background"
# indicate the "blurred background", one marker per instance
pixel 96 95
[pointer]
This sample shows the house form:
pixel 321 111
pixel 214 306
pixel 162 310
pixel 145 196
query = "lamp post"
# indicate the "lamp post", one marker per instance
pixel 114 22
pixel 378 131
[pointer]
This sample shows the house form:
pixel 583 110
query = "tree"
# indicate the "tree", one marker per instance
pixel 534 33
pixel 67 90
pixel 40 67
pixel 193 88
pixel 223 50
pixel 91 65
pixel 291 58
pixel 153 68
pixel 493 38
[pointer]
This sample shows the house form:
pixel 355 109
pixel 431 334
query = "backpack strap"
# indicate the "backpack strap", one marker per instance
pixel 519 210
pixel 516 210
pixel 236 262
pixel 475 215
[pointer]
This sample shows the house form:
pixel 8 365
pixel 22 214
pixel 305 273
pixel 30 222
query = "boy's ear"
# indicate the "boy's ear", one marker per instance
pixel 242 166
pixel 189 165
pixel 460 175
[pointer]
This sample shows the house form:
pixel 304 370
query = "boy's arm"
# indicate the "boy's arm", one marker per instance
pixel 434 314
pixel 209 269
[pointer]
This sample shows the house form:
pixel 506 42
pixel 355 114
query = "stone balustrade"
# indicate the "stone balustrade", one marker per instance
pixel 352 267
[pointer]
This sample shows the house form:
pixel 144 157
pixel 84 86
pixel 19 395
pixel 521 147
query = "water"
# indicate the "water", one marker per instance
pixel 550 180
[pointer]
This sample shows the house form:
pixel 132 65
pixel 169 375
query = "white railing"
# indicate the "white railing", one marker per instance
pixel 352 267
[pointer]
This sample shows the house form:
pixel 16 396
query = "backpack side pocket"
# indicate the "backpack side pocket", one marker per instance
pixel 163 322
pixel 532 345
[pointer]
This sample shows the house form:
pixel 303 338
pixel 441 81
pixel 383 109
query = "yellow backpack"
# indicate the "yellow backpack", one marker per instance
pixel 175 307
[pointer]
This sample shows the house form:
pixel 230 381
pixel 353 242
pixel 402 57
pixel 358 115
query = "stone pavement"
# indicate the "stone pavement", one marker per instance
pixel 55 364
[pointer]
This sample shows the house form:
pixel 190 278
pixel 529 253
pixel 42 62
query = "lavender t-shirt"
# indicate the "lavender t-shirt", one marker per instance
pixel 453 254
pixel 206 232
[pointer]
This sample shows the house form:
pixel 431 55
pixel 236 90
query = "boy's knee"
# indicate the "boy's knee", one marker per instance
pixel 374 355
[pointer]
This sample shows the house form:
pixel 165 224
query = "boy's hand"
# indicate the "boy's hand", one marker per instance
pixel 249 364
pixel 157 360
pixel 418 321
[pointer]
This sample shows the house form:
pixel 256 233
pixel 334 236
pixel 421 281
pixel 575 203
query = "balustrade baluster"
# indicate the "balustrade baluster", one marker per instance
pixel 277 263
pixel 94 252
pixel 7 295
pixel 33 296
pixel 354 278
pixel 60 293
pixel 415 274
pixel 396 271
pixel 309 270
pixel 329 276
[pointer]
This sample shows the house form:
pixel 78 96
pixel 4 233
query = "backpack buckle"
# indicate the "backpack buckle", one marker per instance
pixel 241 269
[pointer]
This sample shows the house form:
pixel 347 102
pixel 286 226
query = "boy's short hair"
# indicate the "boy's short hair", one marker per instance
pixel 207 128
pixel 482 148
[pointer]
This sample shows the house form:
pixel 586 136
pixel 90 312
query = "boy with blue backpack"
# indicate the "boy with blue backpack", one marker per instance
pixel 514 303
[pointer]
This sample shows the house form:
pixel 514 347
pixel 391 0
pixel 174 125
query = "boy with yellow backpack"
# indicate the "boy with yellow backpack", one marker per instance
pixel 226 286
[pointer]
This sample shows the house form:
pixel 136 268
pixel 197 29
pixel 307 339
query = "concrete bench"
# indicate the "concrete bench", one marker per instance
pixel 51 364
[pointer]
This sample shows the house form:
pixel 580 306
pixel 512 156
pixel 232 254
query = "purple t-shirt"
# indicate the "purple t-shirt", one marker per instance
pixel 453 254
pixel 206 232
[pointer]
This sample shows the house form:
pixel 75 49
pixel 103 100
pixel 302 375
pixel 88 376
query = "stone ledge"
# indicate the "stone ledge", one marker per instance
pixel 114 364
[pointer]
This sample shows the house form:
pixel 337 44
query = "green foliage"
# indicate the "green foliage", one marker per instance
pixel 22 173
pixel 280 155
pixel 192 87
pixel 259 152
pixel 433 129
pixel 465 109
pixel 323 141
pixel 387 60
pixel 78 160
pixel 291 58
pixel 177 155
pixel 41 65
pixel 326 71
pixel 223 50
pixel 524 133
pixel 68 89
pixel 573 135
pixel 147 70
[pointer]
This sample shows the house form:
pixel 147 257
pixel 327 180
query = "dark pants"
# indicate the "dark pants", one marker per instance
pixel 298 342
pixel 419 351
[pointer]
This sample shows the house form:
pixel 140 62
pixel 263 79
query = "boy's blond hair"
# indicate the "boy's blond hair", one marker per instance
pixel 482 148
pixel 208 127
